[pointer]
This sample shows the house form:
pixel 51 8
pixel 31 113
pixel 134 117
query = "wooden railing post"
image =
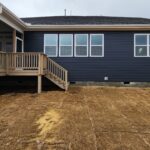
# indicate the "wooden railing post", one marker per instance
pixel 39 64
pixel 42 63
pixel 66 80
pixel 45 64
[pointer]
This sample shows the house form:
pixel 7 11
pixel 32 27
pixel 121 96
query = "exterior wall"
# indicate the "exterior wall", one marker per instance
pixel 118 63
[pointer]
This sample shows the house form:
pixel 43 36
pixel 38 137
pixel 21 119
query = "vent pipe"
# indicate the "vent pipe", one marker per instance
pixel 65 11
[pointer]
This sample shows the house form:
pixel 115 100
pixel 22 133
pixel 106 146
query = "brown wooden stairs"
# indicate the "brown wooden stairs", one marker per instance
pixel 33 64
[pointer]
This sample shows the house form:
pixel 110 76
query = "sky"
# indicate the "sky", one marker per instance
pixel 33 8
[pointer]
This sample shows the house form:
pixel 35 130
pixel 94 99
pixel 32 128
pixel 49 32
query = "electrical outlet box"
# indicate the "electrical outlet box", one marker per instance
pixel 106 78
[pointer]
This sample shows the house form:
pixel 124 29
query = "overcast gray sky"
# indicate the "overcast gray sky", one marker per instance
pixel 28 8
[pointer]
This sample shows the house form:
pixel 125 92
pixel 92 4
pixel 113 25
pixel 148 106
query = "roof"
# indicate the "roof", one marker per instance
pixel 73 23
pixel 85 20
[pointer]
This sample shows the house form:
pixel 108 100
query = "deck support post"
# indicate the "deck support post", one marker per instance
pixel 39 88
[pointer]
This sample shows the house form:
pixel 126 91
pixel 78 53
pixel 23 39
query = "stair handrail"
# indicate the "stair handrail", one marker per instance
pixel 57 71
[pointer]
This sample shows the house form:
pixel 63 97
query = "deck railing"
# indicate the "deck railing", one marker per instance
pixel 25 61
pixel 31 62
pixel 57 71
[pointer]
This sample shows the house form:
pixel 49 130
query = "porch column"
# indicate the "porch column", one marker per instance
pixel 39 88
pixel 14 41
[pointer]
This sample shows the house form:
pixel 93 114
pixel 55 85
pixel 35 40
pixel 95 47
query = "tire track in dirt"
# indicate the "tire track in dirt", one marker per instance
pixel 91 121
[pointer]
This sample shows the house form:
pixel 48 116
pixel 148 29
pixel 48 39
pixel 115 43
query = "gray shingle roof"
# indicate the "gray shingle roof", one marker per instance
pixel 84 20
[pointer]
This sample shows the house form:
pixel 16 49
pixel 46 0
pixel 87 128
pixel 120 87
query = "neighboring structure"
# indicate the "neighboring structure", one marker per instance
pixel 91 48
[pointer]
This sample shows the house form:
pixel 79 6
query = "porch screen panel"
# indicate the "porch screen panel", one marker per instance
pixel 19 45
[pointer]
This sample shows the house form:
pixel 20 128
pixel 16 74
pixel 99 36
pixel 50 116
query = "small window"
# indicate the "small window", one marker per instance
pixel 81 45
pixel 65 45
pixel 142 45
pixel 96 45
pixel 51 44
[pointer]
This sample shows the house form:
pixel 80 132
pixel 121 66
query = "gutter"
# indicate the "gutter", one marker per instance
pixel 95 27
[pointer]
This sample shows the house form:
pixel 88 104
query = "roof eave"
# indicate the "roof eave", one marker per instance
pixel 88 27
pixel 5 10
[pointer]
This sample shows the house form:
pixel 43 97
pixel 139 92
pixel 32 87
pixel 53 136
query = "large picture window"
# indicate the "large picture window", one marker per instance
pixel 96 45
pixel 65 45
pixel 142 45
pixel 81 45
pixel 51 45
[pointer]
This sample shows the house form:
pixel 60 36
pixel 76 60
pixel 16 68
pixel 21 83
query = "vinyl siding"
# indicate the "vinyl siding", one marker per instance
pixel 118 63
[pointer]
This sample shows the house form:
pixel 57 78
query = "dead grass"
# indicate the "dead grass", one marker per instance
pixel 84 118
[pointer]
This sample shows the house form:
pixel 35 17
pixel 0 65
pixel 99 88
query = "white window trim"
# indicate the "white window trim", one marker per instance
pixel 97 45
pixel 51 45
pixel 66 46
pixel 80 45
pixel 148 44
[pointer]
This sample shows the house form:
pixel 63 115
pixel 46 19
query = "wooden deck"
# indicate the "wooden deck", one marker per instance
pixel 33 64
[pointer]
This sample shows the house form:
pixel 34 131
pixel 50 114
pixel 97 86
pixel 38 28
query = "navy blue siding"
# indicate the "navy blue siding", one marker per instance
pixel 119 63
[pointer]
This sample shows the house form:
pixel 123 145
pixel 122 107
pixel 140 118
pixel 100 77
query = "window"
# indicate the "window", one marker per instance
pixel 65 45
pixel 78 45
pixel 142 45
pixel 81 45
pixel 96 45
pixel 51 45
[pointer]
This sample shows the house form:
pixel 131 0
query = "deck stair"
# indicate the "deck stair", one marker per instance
pixel 33 64
pixel 57 74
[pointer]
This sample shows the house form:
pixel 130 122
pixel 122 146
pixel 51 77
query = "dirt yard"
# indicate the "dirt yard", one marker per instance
pixel 84 118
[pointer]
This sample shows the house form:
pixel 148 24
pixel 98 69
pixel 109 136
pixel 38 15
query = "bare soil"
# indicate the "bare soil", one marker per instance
pixel 84 118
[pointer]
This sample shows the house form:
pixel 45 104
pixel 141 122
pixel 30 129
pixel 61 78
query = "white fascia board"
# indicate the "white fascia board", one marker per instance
pixel 88 25
pixel 12 15
pixel 65 27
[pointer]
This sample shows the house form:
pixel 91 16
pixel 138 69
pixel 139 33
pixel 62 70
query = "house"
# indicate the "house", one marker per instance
pixel 75 48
